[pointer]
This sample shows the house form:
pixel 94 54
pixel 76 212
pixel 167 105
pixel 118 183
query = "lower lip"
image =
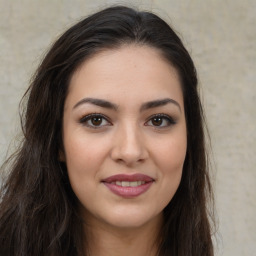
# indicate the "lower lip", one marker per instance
pixel 128 192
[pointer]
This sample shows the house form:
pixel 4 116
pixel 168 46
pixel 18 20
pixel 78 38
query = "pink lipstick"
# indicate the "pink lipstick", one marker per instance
pixel 128 186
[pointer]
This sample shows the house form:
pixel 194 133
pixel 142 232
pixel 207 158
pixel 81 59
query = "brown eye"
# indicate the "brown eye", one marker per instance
pixel 95 121
pixel 160 121
pixel 157 121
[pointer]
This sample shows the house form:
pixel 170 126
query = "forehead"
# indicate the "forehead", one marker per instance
pixel 134 71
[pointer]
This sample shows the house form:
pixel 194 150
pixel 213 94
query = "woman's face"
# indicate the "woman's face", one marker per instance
pixel 124 135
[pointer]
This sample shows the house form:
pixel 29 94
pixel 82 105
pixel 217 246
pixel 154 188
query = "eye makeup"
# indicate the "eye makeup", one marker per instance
pixel 99 120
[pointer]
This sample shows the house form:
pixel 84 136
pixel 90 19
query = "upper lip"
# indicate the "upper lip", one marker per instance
pixel 127 177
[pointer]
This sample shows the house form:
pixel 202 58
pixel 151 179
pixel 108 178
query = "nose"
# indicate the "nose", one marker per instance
pixel 129 146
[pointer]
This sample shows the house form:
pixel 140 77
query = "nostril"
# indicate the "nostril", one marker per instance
pixel 128 147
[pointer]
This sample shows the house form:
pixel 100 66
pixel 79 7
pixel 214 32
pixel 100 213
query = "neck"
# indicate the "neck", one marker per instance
pixel 113 241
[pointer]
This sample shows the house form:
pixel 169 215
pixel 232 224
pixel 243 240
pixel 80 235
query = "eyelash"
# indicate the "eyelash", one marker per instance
pixel 84 120
pixel 165 117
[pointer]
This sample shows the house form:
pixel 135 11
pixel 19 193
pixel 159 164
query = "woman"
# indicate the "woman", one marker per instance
pixel 113 159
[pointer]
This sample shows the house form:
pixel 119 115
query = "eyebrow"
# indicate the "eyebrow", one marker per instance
pixel 97 102
pixel 159 103
pixel 147 105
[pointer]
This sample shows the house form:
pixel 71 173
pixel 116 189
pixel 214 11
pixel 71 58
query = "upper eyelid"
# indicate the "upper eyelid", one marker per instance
pixel 88 116
pixel 94 114
pixel 161 115
pixel 172 121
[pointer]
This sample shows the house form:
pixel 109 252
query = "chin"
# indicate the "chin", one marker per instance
pixel 131 220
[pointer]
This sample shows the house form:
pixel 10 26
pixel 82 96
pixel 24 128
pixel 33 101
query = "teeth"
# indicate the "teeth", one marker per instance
pixel 125 183
pixel 134 183
pixel 129 183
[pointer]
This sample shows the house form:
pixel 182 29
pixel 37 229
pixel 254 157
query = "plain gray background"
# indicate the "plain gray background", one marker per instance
pixel 221 37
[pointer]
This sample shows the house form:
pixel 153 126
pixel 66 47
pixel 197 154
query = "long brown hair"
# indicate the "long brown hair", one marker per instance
pixel 38 209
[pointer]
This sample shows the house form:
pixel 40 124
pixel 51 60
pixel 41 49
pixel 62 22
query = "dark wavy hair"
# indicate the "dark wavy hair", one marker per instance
pixel 38 209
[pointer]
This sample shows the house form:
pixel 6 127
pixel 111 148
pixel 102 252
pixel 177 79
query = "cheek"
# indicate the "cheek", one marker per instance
pixel 171 168
pixel 170 159
pixel 171 152
pixel 83 162
pixel 80 160
pixel 83 152
pixel 84 156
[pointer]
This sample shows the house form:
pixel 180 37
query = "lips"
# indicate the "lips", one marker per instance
pixel 128 186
